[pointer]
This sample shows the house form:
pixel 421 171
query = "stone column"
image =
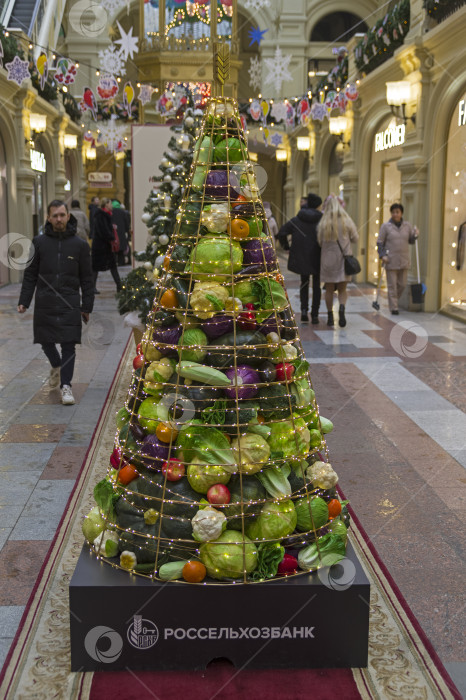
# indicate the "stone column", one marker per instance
pixel 289 187
pixel 59 127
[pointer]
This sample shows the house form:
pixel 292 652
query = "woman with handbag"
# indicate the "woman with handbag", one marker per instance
pixel 336 232
pixel 104 243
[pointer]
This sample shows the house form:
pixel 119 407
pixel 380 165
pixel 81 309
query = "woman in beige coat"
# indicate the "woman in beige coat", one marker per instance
pixel 335 233
pixel 393 242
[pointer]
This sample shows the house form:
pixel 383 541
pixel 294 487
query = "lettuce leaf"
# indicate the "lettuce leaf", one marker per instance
pixel 272 297
pixel 208 445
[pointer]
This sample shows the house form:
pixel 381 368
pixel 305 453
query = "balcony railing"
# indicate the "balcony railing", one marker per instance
pixel 380 43
pixel 441 9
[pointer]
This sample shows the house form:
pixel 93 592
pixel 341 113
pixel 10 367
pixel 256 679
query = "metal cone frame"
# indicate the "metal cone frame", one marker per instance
pixel 220 458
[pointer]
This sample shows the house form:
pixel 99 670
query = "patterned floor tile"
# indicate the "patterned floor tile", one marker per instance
pixel 34 433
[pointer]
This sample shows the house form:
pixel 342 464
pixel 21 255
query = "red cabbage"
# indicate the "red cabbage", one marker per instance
pixel 256 249
pixel 217 325
pixel 156 453
pixel 169 335
pixel 243 375
pixel 218 184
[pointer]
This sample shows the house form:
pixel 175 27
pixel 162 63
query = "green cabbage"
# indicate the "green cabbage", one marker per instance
pixel 326 551
pixel 275 521
pixel 202 476
pixel 254 450
pixel 215 255
pixel 244 292
pixel 194 337
pixel 307 507
pixel 230 556
pixel 289 438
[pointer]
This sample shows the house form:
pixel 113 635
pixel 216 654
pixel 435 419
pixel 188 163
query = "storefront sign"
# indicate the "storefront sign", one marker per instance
pixel 390 138
pixel 38 161
pixel 100 179
pixel 462 113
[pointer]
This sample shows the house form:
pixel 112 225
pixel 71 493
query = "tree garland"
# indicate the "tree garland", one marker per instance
pixel 439 9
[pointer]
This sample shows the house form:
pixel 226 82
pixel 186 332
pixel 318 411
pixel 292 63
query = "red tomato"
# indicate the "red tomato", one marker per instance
pixel 194 571
pixel 127 474
pixel 334 508
pixel 174 469
pixel 285 370
pixel 138 362
pixel 139 349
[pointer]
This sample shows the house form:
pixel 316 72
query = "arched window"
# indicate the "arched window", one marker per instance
pixel 338 26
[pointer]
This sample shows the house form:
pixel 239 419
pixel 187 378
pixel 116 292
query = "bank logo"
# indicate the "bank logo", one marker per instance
pixel 142 634
pixel 103 644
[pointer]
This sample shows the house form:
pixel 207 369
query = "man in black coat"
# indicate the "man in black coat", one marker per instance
pixel 304 258
pixel 61 266
pixel 93 206
pixel 120 217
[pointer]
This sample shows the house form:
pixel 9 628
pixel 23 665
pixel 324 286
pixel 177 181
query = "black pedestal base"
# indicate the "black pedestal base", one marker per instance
pixel 121 621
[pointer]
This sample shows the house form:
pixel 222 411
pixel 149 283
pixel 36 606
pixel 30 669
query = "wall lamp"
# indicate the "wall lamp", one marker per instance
pixel 399 94
pixel 338 127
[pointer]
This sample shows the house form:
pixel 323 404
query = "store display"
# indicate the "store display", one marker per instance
pixel 220 468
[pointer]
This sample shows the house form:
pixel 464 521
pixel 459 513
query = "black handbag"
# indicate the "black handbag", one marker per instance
pixel 352 266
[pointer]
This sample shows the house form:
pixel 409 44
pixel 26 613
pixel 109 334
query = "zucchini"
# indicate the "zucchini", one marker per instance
pixel 224 355
pixel 202 373
pixel 172 571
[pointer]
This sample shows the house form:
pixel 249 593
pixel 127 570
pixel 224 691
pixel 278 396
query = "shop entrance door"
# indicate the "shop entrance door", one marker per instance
pixel 391 187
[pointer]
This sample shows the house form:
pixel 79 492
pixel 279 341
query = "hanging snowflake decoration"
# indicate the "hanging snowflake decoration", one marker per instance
pixel 113 6
pixel 318 111
pixel 255 73
pixel 128 42
pixel 145 94
pixel 279 111
pixel 112 135
pixel 18 70
pixel 256 5
pixel 278 69
pixel 276 140
pixel 111 60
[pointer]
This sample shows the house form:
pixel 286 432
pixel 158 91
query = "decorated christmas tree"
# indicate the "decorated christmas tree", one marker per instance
pixel 159 215
pixel 220 470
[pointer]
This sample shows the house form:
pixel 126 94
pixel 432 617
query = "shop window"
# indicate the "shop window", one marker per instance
pixel 338 27
pixel 454 217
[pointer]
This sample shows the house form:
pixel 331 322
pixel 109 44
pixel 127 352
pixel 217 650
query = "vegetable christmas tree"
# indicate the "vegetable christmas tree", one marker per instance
pixel 220 469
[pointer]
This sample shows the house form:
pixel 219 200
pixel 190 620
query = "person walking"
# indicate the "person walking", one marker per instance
pixel 83 228
pixel 120 217
pixel 103 257
pixel 336 232
pixel 393 242
pixel 304 258
pixel 93 207
pixel 271 221
pixel 60 268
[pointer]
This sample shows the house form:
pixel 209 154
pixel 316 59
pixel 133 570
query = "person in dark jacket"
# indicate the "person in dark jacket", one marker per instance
pixel 103 257
pixel 120 217
pixel 93 206
pixel 304 258
pixel 60 267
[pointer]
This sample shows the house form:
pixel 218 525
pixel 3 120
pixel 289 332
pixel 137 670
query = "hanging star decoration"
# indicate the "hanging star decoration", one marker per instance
pixel 256 35
pixel 128 42
pixel 18 70
pixel 278 69
pixel 145 94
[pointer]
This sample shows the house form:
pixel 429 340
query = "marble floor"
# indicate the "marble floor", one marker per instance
pixel 395 389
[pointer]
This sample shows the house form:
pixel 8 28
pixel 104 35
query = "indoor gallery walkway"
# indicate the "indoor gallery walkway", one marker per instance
pixel 395 389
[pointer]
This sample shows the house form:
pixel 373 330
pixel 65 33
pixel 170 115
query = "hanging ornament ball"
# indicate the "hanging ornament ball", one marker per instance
pixel 163 239
pixel 167 178
pixel 189 121
pixel 146 217
pixel 164 162
pixel 159 260
pixel 148 265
